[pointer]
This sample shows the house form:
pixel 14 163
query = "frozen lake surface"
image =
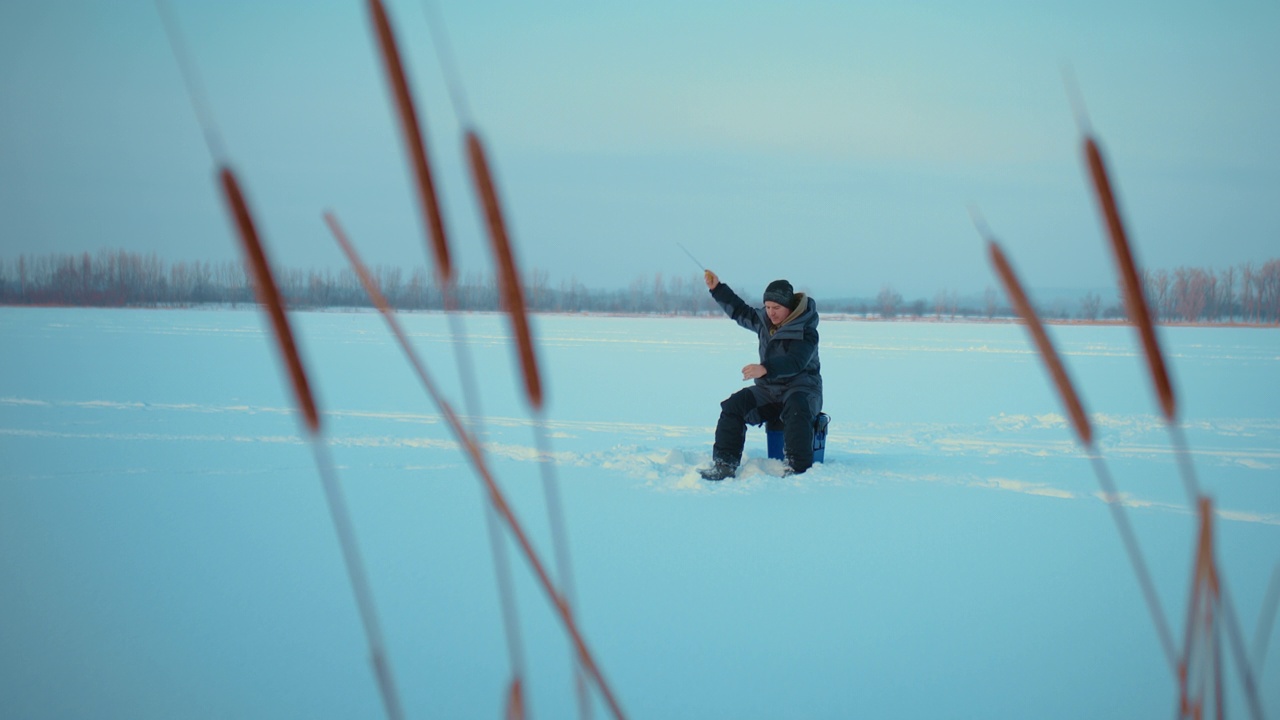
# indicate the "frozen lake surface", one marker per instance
pixel 166 550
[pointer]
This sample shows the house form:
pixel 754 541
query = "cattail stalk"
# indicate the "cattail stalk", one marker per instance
pixel 1219 612
pixel 1084 432
pixel 513 301
pixel 473 452
pixel 269 296
pixel 415 146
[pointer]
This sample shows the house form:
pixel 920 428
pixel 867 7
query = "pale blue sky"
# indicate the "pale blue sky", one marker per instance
pixel 838 144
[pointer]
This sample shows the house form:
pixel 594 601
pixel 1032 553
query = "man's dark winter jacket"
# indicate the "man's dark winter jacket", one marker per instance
pixel 788 352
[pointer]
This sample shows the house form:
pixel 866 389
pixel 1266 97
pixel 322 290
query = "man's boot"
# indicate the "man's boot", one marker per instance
pixel 719 471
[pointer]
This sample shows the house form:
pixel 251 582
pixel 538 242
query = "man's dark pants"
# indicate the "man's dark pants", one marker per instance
pixel 748 406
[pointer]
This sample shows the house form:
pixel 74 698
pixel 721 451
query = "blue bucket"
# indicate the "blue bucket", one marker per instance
pixel 773 435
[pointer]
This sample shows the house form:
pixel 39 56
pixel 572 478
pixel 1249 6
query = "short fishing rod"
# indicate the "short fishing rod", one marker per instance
pixel 691 257
pixel 705 272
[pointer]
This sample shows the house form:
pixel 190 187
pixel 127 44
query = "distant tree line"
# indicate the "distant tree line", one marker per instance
pixel 119 278
pixel 1248 294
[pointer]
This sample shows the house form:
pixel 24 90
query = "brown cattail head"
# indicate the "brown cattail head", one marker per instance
pixel 1134 299
pixel 264 285
pixel 414 144
pixel 515 701
pixel 1206 567
pixel 1075 410
pixel 509 277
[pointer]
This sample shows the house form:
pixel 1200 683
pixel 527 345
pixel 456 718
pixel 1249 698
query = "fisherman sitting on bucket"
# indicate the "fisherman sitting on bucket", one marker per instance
pixel 788 378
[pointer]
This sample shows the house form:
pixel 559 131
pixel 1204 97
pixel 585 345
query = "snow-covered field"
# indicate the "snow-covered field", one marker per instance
pixel 166 550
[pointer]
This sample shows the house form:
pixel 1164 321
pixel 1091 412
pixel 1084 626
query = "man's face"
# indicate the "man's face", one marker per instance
pixel 777 313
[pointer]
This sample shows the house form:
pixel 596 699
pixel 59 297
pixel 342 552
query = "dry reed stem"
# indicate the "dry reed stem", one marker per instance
pixel 1130 540
pixel 1240 653
pixel 501 566
pixel 1021 305
pixel 1083 429
pixel 506 594
pixel 1201 618
pixel 264 287
pixel 358 577
pixel 509 276
pixel 560 541
pixel 512 294
pixel 268 294
pixel 1266 620
pixel 1135 300
pixel 195 88
pixel 474 454
pixel 1080 422
pixel 1209 612
pixel 415 146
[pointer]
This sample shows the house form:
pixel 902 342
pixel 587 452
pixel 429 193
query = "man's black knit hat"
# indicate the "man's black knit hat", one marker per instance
pixel 780 291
